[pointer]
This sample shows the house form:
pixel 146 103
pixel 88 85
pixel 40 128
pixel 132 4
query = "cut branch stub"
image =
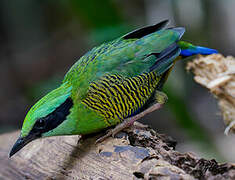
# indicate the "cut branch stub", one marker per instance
pixel 217 73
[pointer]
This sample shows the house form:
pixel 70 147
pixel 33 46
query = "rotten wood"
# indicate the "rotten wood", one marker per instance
pixel 217 73
pixel 136 153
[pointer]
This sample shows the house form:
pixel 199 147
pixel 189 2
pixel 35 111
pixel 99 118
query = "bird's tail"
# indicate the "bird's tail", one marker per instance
pixel 188 49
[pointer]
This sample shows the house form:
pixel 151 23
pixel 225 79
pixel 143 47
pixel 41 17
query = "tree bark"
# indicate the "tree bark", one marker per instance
pixel 136 153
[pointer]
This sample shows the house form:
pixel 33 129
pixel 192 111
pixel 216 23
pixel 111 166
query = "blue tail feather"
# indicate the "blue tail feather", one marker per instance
pixel 197 50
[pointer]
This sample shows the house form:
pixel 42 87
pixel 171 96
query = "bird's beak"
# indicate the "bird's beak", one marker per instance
pixel 20 143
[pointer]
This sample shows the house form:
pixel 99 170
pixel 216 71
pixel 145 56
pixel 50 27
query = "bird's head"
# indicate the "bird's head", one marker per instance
pixel 45 117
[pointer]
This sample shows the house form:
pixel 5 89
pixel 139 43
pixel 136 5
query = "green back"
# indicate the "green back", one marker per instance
pixel 127 57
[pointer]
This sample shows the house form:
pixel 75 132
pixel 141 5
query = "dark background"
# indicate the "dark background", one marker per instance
pixel 40 40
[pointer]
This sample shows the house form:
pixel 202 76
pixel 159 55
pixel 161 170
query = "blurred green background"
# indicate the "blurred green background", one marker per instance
pixel 40 40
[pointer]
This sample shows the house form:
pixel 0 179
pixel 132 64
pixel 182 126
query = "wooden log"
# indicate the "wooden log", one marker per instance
pixel 136 153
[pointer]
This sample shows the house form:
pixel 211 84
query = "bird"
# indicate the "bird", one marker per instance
pixel 112 85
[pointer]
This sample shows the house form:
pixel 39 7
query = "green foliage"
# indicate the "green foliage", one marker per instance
pixel 97 14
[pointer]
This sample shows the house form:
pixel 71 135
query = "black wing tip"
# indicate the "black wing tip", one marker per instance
pixel 139 33
pixel 163 22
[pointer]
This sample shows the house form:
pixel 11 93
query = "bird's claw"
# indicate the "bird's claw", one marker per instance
pixel 110 133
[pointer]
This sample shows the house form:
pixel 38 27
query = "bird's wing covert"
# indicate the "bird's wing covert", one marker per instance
pixel 116 97
pixel 153 50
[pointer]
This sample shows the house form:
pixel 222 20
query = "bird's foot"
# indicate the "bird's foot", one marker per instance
pixel 128 122
pixel 112 132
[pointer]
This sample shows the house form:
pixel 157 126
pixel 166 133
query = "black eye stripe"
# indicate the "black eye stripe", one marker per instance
pixel 52 120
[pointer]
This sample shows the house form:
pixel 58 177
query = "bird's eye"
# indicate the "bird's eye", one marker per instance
pixel 40 123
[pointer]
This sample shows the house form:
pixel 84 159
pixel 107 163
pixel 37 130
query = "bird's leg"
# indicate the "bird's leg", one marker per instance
pixel 161 98
pixel 128 122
